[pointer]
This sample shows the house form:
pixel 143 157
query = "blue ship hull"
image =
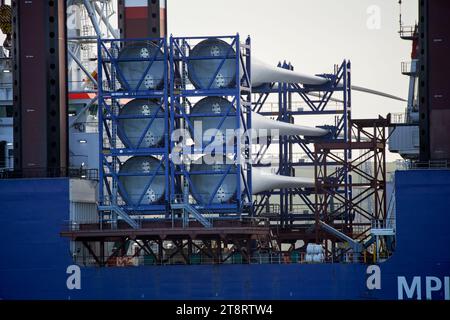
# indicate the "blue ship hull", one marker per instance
pixel 35 259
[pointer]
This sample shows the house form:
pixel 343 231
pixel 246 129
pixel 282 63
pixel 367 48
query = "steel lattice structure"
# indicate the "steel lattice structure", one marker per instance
pixel 292 224
pixel 342 189
pixel 183 97
pixel 113 198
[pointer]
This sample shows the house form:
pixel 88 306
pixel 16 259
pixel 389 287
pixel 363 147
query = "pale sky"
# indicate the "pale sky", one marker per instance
pixel 313 36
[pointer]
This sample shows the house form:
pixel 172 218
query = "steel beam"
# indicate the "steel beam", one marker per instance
pixel 80 64
pixel 105 20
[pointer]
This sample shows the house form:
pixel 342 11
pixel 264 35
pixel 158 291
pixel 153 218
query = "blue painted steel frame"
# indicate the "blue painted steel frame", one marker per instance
pixel 339 81
pixel 110 95
pixel 240 98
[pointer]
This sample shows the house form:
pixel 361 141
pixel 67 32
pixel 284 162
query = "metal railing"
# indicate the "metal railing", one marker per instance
pixel 86 127
pixel 273 258
pixel 432 164
pixel 269 209
pixel 88 174
pixel 383 223
pixel 120 201
pixel 6 163
pixel 297 157
pixel 111 224
pixel 408 32
pixel 300 209
pixel 297 106
pixel 5 84
pixel 180 198
pixel 406 68
pixel 398 118
pixel 76 225
pixel 81 85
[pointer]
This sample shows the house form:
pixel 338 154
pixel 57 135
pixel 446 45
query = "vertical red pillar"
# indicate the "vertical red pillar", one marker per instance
pixel 438 71
pixel 434 92
pixel 39 86
pixel 142 18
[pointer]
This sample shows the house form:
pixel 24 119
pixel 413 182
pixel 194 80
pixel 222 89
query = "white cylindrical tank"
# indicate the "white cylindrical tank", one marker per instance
pixel 134 60
pixel 135 175
pixel 135 117
pixel 202 72
pixel 207 172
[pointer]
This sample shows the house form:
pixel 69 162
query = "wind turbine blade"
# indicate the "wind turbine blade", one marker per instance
pixel 377 93
pixel 265 73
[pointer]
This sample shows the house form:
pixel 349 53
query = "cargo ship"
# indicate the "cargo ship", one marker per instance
pixel 95 206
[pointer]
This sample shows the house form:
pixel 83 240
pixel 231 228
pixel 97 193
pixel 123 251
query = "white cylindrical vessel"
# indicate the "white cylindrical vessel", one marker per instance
pixel 132 73
pixel 135 175
pixel 135 129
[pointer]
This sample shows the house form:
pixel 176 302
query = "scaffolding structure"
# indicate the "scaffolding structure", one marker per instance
pixel 87 20
pixel 162 243
pixel 251 226
pixel 184 95
pixel 341 217
pixel 114 200
pixel 293 218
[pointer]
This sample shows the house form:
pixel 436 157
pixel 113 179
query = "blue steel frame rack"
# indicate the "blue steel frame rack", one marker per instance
pixel 339 81
pixel 113 199
pixel 183 95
